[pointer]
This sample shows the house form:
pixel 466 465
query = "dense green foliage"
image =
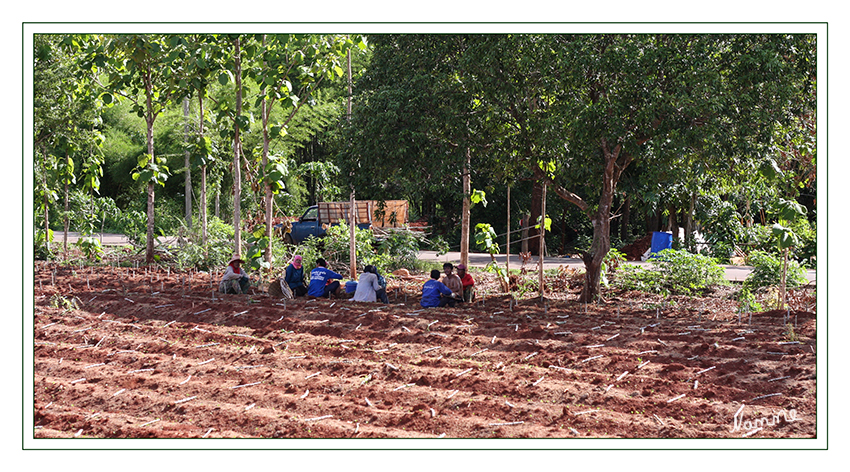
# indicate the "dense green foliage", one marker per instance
pixel 630 133
pixel 672 272
pixel 767 271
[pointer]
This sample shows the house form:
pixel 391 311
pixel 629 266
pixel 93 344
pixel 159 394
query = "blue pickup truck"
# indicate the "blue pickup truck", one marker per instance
pixel 316 220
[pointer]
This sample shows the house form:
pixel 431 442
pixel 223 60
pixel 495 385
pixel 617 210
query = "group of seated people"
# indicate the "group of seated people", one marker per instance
pixel 371 286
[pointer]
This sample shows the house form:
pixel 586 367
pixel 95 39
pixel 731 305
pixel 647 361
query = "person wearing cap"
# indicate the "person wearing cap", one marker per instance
pixel 234 280
pixel 452 281
pixel 467 283
pixel 319 281
pixel 435 293
pixel 367 286
pixel 294 277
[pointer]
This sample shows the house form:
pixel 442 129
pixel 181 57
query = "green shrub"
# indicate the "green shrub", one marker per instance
pixel 399 249
pixel 41 243
pixel 767 272
pixel 747 302
pixel 634 277
pixel 220 244
pixel 673 271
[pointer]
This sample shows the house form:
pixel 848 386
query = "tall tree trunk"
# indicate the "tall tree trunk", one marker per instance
pixel 542 242
pixel 624 224
pixel 536 209
pixel 523 246
pixel 149 120
pixel 508 237
pixel 464 225
pixel 65 216
pixel 689 222
pixel 601 220
pixel 46 204
pixel 187 186
pixel 352 243
pixel 265 108
pixel 202 206
pixel 672 223
pixel 237 152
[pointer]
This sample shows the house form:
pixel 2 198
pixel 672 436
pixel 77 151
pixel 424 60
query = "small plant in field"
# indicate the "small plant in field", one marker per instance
pixel 91 248
pixel 790 334
pixel 60 301
pixel 747 302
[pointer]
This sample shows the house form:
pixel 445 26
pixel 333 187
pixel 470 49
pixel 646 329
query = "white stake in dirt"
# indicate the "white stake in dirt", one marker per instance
pixel 187 379
pixel 149 423
pixel 205 362
pixel 319 418
pixel 765 396
pixel 311 376
pixel 514 423
pixel 530 356
pixel 119 392
pixel 368 402
pixel 622 375
pixel 185 400
pixel 779 378
pixel 612 337
pixel 706 370
pixel 139 370
pixel 643 365
pixel 452 394
pixel 463 372
pixel 538 381
pixel 675 398
pixel 245 385
pixel 404 386
pixel 592 358
pixel 431 349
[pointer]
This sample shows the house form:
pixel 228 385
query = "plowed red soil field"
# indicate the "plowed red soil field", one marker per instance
pixel 130 353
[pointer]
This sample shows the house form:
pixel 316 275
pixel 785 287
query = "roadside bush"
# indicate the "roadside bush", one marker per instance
pixel 399 249
pixel 673 271
pixel 767 272
pixel 219 246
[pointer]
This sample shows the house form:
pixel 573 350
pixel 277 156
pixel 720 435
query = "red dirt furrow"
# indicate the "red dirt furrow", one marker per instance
pixel 180 364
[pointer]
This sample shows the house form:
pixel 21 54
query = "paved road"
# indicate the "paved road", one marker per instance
pixel 733 273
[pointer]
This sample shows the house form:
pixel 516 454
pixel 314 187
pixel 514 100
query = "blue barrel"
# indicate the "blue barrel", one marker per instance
pixel 350 286
pixel 661 241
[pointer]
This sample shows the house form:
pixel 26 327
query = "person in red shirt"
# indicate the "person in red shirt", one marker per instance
pixel 467 283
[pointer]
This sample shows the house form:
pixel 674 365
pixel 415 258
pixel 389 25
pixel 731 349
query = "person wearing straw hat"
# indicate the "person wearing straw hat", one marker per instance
pixel 234 280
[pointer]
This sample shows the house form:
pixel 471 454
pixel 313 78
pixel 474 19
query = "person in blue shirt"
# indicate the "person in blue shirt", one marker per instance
pixel 435 293
pixel 319 277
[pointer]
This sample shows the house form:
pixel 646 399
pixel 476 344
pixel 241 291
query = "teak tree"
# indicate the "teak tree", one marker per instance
pixel 143 69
